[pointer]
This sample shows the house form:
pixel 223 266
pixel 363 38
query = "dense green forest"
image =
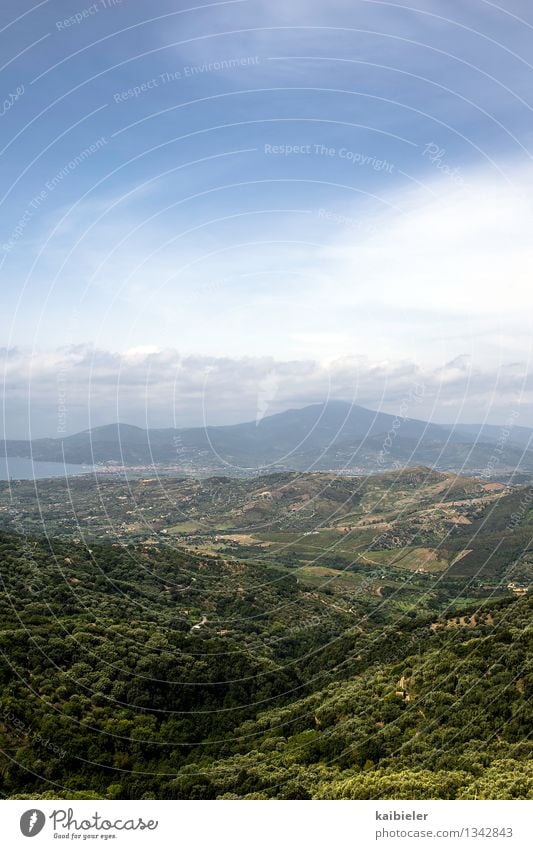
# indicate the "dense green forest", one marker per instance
pixel 148 670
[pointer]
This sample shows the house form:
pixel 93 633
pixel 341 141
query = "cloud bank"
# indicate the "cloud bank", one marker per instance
pixel 69 389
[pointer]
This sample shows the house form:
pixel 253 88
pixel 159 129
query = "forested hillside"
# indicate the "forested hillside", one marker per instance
pixel 142 671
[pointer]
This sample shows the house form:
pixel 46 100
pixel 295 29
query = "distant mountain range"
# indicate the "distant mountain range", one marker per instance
pixel 334 435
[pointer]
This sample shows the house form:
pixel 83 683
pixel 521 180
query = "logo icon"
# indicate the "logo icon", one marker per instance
pixel 32 822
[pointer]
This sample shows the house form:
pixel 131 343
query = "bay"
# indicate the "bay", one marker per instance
pixel 21 468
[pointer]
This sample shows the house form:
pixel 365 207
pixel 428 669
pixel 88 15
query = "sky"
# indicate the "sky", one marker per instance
pixel 216 211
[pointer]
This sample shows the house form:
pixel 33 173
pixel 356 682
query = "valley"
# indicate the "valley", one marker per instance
pixel 287 636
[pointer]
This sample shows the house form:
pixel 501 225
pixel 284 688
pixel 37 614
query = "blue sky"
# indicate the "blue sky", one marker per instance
pixel 232 195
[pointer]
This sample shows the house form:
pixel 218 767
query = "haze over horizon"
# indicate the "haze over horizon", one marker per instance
pixel 265 207
pixel 266 410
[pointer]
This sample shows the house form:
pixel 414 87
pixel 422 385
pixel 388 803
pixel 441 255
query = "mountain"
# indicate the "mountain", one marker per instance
pixel 522 436
pixel 332 435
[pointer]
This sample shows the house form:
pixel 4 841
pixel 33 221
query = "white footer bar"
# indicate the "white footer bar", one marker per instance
pixel 268 824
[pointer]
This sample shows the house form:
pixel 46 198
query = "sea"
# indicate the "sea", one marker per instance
pixel 20 468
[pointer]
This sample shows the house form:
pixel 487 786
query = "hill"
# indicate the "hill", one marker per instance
pixel 441 717
pixel 141 672
pixel 289 636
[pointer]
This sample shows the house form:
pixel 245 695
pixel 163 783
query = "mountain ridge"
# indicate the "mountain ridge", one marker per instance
pixel 333 434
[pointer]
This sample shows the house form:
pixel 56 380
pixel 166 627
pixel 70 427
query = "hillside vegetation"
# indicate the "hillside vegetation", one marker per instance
pixel 307 637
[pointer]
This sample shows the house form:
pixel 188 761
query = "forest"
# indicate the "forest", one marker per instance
pixel 148 669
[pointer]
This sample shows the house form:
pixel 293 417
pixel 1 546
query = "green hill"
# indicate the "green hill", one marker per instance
pixel 139 670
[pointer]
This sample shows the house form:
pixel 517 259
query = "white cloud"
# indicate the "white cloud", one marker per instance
pixel 438 270
pixel 164 388
pixel 463 251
